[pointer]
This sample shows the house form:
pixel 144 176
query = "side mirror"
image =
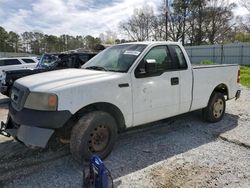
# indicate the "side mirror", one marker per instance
pixel 151 66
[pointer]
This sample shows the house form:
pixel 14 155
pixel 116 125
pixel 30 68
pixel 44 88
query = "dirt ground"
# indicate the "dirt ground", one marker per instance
pixel 182 151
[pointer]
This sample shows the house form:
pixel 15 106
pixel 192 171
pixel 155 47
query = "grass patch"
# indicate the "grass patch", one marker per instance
pixel 245 76
pixel 207 62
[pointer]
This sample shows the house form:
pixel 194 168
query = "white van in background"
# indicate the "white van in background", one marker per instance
pixel 16 63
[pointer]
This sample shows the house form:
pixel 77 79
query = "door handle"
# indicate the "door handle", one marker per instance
pixel 174 81
pixel 124 85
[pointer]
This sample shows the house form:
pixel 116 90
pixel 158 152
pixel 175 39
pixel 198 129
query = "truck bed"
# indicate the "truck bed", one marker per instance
pixel 207 77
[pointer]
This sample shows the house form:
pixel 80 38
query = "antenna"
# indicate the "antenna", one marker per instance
pixel 166 17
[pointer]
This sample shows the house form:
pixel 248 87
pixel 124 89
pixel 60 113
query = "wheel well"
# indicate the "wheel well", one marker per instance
pixel 106 107
pixel 222 88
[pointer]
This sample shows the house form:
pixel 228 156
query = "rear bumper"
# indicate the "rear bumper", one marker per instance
pixel 32 127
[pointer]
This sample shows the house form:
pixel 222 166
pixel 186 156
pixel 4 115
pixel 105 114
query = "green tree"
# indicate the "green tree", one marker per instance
pixel 3 40
pixel 91 42
pixel 51 43
pixel 37 44
pixel 13 42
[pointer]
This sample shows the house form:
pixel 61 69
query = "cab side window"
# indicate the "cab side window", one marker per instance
pixel 178 57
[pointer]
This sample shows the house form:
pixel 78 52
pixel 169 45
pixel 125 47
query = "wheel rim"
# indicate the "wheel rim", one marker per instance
pixel 218 108
pixel 99 139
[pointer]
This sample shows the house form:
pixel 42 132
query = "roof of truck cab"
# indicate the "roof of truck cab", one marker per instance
pixel 153 42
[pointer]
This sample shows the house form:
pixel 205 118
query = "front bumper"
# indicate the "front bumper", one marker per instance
pixel 33 127
pixel 37 118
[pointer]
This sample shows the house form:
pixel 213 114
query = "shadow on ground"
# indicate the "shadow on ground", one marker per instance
pixel 135 150
pixel 140 149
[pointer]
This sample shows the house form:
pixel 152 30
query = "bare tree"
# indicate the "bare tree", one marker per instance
pixel 173 16
pixel 178 19
pixel 140 26
pixel 159 25
pixel 196 21
pixel 246 4
pixel 245 21
pixel 218 20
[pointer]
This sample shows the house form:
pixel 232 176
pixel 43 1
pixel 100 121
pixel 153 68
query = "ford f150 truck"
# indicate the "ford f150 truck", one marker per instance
pixel 124 86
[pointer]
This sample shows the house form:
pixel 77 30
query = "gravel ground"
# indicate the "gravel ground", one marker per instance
pixel 182 151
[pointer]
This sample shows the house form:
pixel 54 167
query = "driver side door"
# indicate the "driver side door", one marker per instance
pixel 155 96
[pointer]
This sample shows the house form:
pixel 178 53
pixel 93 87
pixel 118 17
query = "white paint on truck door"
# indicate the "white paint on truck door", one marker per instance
pixel 154 97
pixel 185 78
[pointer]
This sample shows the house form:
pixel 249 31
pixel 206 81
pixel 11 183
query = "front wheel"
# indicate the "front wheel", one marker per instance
pixel 94 133
pixel 215 109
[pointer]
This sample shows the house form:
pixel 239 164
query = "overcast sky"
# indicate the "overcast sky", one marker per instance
pixel 74 17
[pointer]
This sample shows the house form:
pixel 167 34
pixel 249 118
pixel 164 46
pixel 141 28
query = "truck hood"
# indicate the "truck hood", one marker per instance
pixel 53 80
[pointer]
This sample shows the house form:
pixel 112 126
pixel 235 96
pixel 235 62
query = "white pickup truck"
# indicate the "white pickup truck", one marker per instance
pixel 124 86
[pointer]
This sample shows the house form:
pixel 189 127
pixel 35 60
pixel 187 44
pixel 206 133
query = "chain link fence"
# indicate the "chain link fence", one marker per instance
pixel 238 53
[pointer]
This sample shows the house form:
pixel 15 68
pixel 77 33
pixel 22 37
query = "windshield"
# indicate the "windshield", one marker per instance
pixel 116 58
pixel 48 60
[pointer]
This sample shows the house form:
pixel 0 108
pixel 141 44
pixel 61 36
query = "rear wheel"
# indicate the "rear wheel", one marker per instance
pixel 94 133
pixel 215 109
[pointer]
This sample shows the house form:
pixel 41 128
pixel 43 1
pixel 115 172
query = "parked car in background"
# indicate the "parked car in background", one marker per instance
pixel 48 62
pixel 16 63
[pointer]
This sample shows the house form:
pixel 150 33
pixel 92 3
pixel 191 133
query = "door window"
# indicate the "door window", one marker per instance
pixel 178 57
pixel 162 58
pixel 28 60
pixel 7 62
pixel 1 62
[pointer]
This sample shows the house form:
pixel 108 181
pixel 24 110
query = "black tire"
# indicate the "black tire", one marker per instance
pixel 215 109
pixel 94 133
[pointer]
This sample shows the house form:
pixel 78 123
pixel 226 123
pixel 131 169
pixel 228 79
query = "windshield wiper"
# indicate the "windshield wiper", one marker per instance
pixel 96 68
pixel 113 70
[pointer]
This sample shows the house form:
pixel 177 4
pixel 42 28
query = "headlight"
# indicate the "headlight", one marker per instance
pixel 41 101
